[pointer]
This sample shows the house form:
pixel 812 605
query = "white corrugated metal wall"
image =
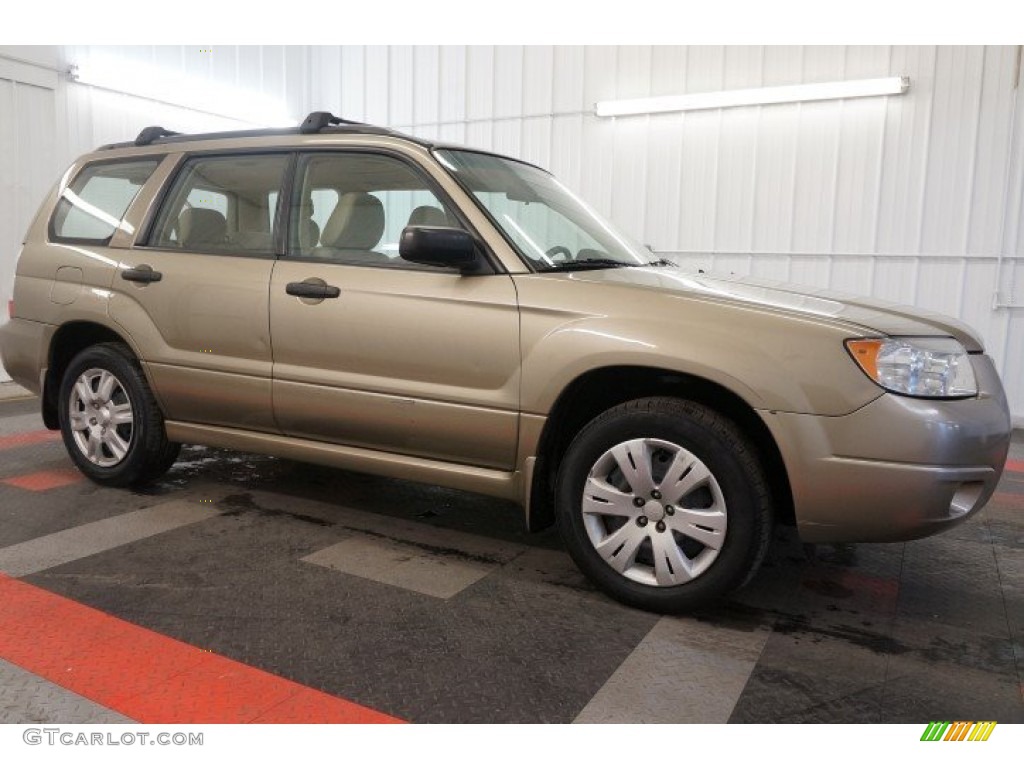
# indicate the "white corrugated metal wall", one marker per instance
pixel 915 198
pixel 27 138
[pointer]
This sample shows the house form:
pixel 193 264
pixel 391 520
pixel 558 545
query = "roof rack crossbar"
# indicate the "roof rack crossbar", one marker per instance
pixel 148 135
pixel 316 121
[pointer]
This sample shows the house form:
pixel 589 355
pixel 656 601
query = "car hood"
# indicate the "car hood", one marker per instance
pixel 871 314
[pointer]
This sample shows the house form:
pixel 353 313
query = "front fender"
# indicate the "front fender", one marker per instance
pixel 772 360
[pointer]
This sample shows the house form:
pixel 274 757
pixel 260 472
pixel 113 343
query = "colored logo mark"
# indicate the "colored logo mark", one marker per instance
pixel 958 731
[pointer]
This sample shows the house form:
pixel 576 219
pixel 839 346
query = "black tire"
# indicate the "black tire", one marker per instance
pixel 149 453
pixel 735 468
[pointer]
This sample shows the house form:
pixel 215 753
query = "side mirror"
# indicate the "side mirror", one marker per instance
pixel 439 247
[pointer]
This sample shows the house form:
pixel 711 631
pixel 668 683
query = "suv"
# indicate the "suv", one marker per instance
pixel 348 295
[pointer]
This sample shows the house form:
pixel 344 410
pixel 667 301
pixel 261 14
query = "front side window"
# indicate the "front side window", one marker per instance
pixel 550 227
pixel 351 208
pixel 223 204
pixel 90 209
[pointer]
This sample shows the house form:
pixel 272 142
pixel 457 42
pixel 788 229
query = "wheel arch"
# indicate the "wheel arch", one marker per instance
pixel 68 340
pixel 597 390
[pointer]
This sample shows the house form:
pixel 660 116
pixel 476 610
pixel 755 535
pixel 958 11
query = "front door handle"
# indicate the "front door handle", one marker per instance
pixel 142 274
pixel 312 290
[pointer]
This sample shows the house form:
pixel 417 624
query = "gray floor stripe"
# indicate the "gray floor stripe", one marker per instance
pixel 28 698
pixel 415 556
pixel 401 565
pixel 85 540
pixel 683 671
pixel 25 422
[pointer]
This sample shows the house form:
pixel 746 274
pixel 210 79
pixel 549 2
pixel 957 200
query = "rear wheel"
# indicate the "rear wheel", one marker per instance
pixel 110 421
pixel 664 504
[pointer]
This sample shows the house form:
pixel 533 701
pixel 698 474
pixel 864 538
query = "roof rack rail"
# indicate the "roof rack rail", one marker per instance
pixel 148 135
pixel 323 123
pixel 317 121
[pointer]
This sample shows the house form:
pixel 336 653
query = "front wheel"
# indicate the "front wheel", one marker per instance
pixel 663 503
pixel 111 424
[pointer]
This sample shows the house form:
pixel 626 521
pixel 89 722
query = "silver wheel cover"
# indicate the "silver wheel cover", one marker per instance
pixel 101 417
pixel 654 512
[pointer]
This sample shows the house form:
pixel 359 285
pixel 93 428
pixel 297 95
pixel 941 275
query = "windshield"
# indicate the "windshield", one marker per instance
pixel 551 228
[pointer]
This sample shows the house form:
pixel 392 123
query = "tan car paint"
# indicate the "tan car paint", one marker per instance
pixel 779 350
pixel 205 332
pixel 406 361
pixel 210 363
pixel 783 360
pixel 25 344
pixel 898 468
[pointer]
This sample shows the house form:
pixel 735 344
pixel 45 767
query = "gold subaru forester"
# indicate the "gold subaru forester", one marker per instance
pixel 348 295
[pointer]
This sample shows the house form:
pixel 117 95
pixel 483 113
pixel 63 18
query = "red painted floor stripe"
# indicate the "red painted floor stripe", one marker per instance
pixel 1014 465
pixel 147 676
pixel 45 480
pixel 27 438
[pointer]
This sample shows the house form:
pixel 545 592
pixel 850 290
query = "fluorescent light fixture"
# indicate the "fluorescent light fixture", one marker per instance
pixel 780 94
pixel 181 90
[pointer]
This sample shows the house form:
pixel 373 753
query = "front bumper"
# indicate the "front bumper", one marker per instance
pixel 899 468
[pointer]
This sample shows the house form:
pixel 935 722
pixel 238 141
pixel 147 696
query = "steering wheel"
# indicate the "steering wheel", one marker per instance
pixel 556 249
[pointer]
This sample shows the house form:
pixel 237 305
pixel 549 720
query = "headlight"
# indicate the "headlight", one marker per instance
pixel 920 367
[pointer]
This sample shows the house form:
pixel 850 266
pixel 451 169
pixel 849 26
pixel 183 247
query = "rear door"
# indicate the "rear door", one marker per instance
pixel 400 358
pixel 194 296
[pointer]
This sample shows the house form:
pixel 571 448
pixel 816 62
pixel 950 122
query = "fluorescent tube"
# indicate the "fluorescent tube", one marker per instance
pixel 779 94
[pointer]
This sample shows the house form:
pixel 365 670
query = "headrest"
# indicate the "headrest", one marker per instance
pixel 357 223
pixel 201 226
pixel 428 216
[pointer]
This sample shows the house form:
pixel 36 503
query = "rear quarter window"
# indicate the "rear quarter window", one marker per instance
pixel 90 209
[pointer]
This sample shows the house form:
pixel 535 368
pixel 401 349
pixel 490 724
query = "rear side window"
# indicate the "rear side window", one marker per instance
pixel 224 204
pixel 90 209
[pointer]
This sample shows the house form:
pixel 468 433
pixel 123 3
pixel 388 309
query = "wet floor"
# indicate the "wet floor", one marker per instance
pixel 434 606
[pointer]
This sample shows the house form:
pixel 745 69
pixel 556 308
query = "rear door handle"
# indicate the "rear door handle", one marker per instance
pixel 142 274
pixel 312 290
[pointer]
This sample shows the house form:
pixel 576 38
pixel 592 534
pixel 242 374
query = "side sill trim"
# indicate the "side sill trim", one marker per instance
pixel 489 482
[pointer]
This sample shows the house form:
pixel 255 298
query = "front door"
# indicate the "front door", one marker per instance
pixel 391 356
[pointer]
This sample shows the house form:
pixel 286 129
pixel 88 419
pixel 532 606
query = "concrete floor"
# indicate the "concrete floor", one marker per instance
pixel 432 606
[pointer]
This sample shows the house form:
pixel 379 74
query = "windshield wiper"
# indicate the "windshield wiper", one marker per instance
pixel 569 266
pixel 600 263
